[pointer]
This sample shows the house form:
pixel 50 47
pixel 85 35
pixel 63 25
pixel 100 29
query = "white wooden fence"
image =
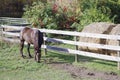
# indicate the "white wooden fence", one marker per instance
pixel 13 21
pixel 76 43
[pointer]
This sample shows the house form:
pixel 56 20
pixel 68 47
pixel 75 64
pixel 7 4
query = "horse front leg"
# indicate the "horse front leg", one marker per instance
pixel 37 55
pixel 28 49
pixel 21 47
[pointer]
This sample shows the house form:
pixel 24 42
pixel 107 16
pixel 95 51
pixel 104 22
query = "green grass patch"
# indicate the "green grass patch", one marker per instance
pixel 13 67
pixel 97 64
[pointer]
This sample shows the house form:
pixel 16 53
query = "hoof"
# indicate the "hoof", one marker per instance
pixel 23 56
pixel 30 57
pixel 38 61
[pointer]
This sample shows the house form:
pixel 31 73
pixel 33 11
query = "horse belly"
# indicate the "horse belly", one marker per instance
pixel 28 39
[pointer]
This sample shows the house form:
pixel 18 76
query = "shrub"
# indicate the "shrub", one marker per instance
pixel 114 8
pixel 50 16
pixel 93 13
pixel 32 12
pixel 53 16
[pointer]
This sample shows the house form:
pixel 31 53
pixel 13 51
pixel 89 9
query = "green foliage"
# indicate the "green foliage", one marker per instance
pixel 53 16
pixel 49 16
pixel 114 8
pixel 32 13
pixel 93 13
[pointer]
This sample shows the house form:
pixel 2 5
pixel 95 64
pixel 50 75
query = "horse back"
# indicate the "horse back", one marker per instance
pixel 31 36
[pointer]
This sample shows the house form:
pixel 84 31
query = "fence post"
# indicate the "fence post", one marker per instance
pixel 118 54
pixel 76 47
pixel 1 30
pixel 3 35
pixel 45 50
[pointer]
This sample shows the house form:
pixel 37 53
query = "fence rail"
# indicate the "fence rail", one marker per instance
pixel 71 33
pixel 76 43
pixel 13 21
pixel 102 46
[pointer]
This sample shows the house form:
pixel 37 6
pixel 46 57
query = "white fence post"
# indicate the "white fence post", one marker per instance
pixel 45 50
pixel 3 35
pixel 118 54
pixel 76 47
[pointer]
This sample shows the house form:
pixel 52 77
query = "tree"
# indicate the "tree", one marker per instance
pixel 13 8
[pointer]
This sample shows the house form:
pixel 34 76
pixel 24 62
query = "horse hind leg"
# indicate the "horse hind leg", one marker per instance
pixel 35 54
pixel 21 47
pixel 28 49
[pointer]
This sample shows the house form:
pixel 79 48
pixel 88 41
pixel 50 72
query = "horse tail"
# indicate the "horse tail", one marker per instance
pixel 21 34
pixel 38 38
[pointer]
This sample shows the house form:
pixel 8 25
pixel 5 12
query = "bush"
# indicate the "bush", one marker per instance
pixel 53 16
pixel 93 13
pixel 112 7
pixel 50 16
pixel 32 13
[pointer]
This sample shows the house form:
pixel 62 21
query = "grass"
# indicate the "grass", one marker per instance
pixel 91 63
pixel 13 67
pixel 98 64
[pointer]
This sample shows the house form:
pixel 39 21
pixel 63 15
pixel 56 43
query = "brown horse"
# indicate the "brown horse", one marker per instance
pixel 31 36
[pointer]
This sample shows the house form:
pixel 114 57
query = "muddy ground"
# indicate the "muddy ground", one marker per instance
pixel 80 73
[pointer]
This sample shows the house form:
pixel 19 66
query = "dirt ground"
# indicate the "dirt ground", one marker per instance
pixel 85 73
